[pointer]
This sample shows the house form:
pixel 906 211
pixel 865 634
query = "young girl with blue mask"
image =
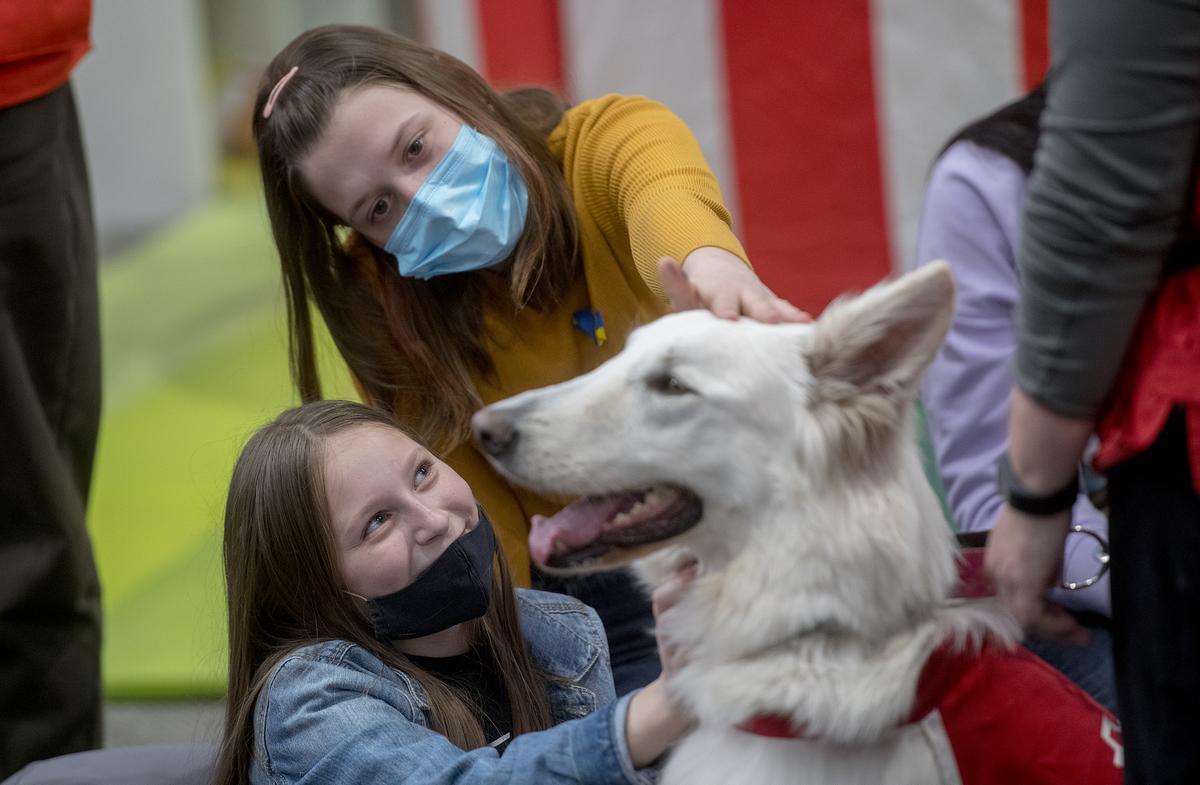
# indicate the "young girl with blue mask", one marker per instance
pixel 464 246
pixel 375 635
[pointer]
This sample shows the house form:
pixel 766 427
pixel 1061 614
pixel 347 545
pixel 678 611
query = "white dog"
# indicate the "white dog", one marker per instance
pixel 825 644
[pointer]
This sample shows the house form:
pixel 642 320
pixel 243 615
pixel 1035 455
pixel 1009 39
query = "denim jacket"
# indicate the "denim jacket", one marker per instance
pixel 333 712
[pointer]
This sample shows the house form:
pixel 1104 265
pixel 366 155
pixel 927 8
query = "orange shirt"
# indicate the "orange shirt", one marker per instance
pixel 40 42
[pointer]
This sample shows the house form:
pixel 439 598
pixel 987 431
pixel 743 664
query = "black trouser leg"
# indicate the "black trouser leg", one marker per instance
pixel 49 414
pixel 1155 531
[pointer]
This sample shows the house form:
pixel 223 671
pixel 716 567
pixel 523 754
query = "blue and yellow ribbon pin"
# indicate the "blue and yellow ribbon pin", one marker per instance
pixel 591 323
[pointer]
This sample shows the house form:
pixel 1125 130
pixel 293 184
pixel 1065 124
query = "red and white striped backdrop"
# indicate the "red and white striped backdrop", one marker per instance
pixel 819 117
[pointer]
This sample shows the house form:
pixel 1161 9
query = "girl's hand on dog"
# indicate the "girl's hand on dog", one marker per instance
pixel 715 279
pixel 655 721
pixel 665 597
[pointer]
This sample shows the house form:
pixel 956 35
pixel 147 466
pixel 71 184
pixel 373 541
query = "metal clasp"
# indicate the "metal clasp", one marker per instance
pixel 1102 556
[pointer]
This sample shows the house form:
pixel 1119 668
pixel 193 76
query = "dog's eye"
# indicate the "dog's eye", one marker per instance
pixel 667 384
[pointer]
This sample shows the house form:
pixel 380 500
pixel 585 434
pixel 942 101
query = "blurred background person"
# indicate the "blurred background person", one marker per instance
pixel 49 392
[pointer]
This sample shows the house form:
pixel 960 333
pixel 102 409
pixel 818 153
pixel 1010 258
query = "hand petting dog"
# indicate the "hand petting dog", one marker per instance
pixel 715 279
pixel 655 720
pixel 665 597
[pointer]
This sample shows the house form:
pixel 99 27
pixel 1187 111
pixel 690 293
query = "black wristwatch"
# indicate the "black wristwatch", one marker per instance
pixel 1028 502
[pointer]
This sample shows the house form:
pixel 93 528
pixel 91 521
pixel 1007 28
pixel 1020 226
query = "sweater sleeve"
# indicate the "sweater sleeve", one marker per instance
pixel 642 176
pixel 970 217
pixel 1108 192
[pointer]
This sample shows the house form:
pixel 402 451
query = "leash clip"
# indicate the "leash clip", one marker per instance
pixel 973 583
pixel 1102 556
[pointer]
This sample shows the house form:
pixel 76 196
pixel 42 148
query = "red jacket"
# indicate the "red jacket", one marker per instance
pixel 40 42
pixel 1161 369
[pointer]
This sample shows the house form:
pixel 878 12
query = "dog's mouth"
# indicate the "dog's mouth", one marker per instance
pixel 593 527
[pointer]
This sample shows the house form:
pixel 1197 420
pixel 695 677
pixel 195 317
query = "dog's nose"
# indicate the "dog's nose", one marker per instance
pixel 494 432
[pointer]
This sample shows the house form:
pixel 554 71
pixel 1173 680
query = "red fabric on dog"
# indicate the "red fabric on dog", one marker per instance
pixel 1012 718
pixel 1009 718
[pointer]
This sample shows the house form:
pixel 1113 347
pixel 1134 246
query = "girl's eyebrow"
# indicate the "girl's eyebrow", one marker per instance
pixel 401 133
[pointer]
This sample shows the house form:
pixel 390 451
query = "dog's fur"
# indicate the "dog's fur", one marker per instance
pixel 827 568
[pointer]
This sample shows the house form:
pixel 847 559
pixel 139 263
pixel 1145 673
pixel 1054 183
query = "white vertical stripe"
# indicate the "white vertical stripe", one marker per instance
pixel 452 26
pixel 938 64
pixel 668 50
pixel 938 739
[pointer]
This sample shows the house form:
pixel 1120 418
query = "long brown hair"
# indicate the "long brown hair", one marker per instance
pixel 405 339
pixel 284 588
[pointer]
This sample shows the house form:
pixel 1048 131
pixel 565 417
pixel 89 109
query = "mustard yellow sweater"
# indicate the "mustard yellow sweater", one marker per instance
pixel 642 190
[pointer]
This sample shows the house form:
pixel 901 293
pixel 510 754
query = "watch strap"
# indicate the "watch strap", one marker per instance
pixel 1028 502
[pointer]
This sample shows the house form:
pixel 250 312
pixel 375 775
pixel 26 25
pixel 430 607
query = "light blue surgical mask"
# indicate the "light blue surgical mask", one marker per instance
pixel 467 215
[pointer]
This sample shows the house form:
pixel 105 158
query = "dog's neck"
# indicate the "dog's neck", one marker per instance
pixel 829 610
pixel 837 687
pixel 863 559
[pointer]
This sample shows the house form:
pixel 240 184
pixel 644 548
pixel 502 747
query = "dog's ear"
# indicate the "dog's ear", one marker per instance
pixel 880 342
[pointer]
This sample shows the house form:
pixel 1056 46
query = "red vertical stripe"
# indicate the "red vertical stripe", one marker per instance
pixel 805 143
pixel 521 43
pixel 1035 43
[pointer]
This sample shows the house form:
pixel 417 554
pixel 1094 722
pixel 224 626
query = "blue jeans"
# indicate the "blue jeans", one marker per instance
pixel 1089 666
pixel 628 621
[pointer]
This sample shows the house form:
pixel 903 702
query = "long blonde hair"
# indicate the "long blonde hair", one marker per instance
pixel 284 588
pixel 403 339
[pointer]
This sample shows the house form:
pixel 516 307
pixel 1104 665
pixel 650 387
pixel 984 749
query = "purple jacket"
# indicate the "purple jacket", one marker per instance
pixel 971 218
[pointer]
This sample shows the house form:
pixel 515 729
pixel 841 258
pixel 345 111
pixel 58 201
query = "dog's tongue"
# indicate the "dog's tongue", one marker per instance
pixel 575 526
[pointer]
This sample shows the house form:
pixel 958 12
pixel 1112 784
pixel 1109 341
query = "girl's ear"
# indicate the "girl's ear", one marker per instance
pixel 881 341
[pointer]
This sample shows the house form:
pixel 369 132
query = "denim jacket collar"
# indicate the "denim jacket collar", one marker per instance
pixel 562 645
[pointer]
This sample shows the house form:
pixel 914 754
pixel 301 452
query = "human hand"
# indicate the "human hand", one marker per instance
pixel 665 597
pixel 1023 559
pixel 656 721
pixel 715 279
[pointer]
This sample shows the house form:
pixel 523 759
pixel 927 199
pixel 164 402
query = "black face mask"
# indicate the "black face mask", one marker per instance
pixel 457 587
